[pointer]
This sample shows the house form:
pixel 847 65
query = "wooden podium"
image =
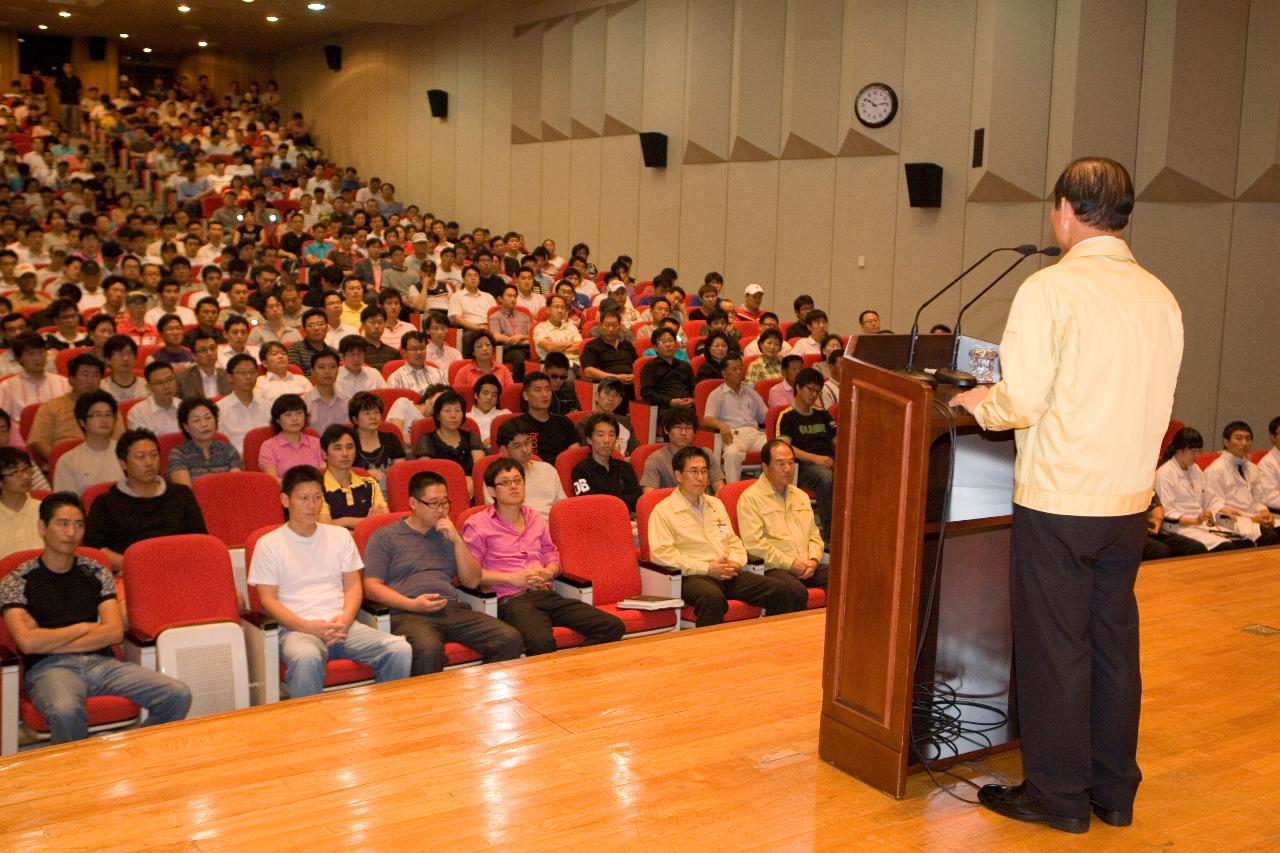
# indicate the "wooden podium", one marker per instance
pixel 885 631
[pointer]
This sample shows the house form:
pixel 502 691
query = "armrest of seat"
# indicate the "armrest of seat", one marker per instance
pixel 657 579
pixel 574 587
pixel 480 600
pixel 137 638
pixel 375 615
pixel 261 621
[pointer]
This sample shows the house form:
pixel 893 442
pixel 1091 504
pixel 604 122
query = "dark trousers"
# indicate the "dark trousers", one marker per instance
pixel 1160 546
pixel 800 588
pixel 709 597
pixel 427 633
pixel 1075 640
pixel 819 478
pixel 533 613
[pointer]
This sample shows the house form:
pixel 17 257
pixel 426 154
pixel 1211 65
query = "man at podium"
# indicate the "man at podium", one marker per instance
pixel 1089 359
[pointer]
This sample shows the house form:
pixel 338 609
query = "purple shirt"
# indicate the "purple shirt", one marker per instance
pixel 499 547
pixel 276 452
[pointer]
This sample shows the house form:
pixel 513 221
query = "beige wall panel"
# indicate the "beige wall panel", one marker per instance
pixel 625 54
pixel 495 150
pixel 584 195
pixel 1250 348
pixel 469 112
pixel 401 102
pixel 222 68
pixel 811 78
pixel 864 226
pixel 806 207
pixel 986 227
pixel 935 128
pixel 443 135
pixel 557 77
pixel 751 227
pixel 1013 73
pixel 555 191
pixel 1190 113
pixel 1259 167
pixel 875 42
pixel 104 73
pixel 526 84
pixel 703 191
pixel 526 206
pixel 658 221
pixel 619 205
pixel 1188 247
pixel 709 81
pixel 9 55
pixel 369 53
pixel 416 183
pixel 587 73
pixel 1096 82
pixel 755 116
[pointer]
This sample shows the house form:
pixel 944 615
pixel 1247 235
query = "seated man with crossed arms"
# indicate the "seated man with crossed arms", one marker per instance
pixel 690 530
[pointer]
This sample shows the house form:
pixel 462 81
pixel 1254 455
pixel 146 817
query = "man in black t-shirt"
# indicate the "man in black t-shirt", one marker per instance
pixel 64 616
pixel 602 473
pixel 812 435
pixel 552 433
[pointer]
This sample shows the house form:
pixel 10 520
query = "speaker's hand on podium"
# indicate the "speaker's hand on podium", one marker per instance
pixel 969 400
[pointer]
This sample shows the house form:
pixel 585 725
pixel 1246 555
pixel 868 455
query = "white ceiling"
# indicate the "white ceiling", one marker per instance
pixel 227 25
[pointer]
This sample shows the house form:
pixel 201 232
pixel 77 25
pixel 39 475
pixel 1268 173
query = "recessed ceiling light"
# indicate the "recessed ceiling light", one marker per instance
pixel 64 14
pixel 124 35
pixel 202 44
pixel 146 50
pixel 248 1
pixel 42 26
pixel 184 8
pixel 316 7
pixel 271 19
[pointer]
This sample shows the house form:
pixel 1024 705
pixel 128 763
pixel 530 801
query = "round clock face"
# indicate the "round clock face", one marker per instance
pixel 876 105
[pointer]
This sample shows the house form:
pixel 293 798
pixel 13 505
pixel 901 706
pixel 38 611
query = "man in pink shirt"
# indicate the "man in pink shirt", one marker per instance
pixel 518 560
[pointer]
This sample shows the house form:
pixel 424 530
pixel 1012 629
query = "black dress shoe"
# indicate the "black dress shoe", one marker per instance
pixel 1114 817
pixel 1014 802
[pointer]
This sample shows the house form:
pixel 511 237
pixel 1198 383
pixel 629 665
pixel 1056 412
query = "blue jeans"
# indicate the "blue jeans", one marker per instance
pixel 304 656
pixel 59 684
pixel 819 478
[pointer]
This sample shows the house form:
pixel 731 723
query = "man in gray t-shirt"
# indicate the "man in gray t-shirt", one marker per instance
pixel 411 565
pixel 681 425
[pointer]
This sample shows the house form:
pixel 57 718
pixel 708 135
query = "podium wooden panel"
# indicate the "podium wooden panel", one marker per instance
pixel 893 469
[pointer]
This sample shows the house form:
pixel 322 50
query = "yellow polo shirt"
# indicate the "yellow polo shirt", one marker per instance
pixel 685 539
pixel 778 529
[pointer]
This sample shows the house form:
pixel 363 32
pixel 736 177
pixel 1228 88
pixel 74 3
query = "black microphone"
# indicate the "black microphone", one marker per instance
pixel 961 378
pixel 1025 249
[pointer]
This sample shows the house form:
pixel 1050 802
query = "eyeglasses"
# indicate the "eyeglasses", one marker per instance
pixel 17 470
pixel 506 484
pixel 443 503
pixel 698 472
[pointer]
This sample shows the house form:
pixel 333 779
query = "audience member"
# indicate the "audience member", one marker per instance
pixel 449 440
pixel 203 452
pixel 56 420
pixel 411 566
pixel 1234 479
pixel 542 486
pixel 308 579
pixel 93 460
pixel 1162 544
pixel 1269 470
pixel 603 473
pixel 325 405
pixel 1191 509
pixel 681 425
pixel 415 374
pixel 33 383
pixel 19 512
pixel 869 323
pixel 377 449
pixel 141 505
pixel 564 396
pixel 204 378
pixel 486 392
pixel 666 381
pixel 553 434
pixel 609 356
pixel 690 530
pixel 349 497
pixel 157 412
pixel 778 528
pixel 556 334
pixel 243 409
pixel 481 362
pixel 816 323
pixel 314 329
pixel 62 612
pixel 610 398
pixel 518 561
pixel 439 352
pixel 811 433
pixel 735 411
pixel 784 393
pixel 289 444
pixel 277 378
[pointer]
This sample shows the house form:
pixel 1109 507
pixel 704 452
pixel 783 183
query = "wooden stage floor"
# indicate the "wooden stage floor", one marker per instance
pixel 706 740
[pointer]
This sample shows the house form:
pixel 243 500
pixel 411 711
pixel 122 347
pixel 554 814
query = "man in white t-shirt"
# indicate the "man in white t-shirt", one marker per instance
pixel 308 579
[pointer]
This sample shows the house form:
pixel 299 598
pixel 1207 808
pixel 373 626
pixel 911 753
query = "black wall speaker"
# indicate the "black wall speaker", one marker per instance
pixel 97 48
pixel 333 57
pixel 924 184
pixel 653 146
pixel 439 100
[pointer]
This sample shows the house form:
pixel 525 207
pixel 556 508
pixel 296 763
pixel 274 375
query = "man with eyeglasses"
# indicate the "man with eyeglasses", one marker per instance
pixel 411 565
pixel 204 378
pixel 681 424
pixel 542 486
pixel 691 531
pixel 415 374
pixel 512 544
pixel 19 513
